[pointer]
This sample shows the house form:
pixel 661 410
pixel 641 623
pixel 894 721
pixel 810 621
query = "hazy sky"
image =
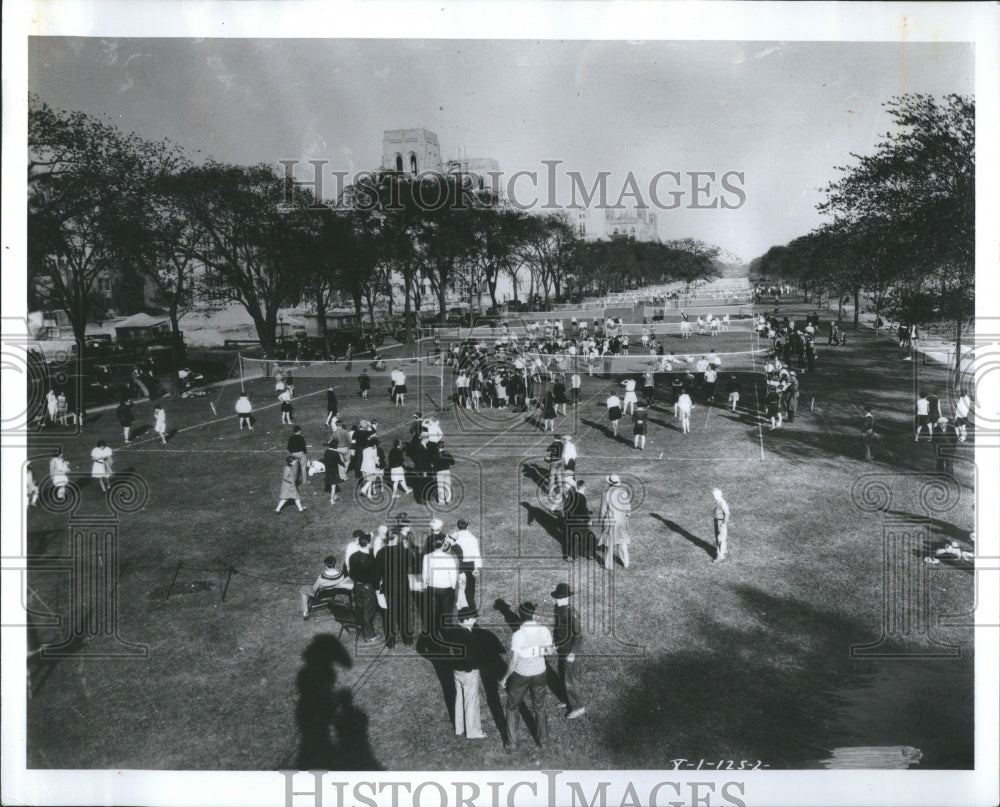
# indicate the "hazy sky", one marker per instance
pixel 783 114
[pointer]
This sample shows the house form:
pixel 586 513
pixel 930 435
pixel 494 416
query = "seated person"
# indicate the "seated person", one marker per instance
pixel 331 577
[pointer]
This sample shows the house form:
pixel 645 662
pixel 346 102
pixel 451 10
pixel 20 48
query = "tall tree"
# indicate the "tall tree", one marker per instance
pixel 920 181
pixel 251 219
pixel 84 180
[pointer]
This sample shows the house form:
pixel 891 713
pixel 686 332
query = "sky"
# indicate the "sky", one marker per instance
pixel 782 114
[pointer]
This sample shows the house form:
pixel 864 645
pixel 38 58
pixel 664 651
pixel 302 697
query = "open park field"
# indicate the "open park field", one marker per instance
pixel 819 633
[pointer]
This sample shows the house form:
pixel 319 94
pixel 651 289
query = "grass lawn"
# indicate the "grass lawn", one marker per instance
pixel 746 660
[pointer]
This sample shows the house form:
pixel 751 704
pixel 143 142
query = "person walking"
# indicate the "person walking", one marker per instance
pixel 924 417
pixel 578 541
pixel 290 486
pixel 332 406
pixel 59 473
pixel 733 388
pixel 529 646
pixel 397 469
pixel 364 384
pixel 554 458
pixel 101 464
pixel 684 407
pixel 649 384
pixel 332 474
pixel 549 412
pixel 867 431
pixel 616 509
pixel 244 410
pixel 371 469
pixel 720 520
pixel 640 423
pixel 614 405
pixel 160 423
pixel 568 640
pixel 296 447
pixel 125 418
pixel 285 398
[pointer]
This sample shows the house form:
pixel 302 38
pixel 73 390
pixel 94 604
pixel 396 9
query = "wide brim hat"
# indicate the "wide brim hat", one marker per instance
pixel 562 592
pixel 614 479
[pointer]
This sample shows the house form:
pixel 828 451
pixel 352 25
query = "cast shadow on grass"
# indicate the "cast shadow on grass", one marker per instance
pixel 322 707
pixel 759 690
pixel 553 525
pixel 606 430
pixel 694 539
pixel 536 473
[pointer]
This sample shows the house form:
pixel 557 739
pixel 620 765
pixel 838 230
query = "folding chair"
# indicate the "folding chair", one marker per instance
pixel 323 599
pixel 344 614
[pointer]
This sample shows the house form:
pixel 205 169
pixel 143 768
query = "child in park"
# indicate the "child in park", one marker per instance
pixel 160 423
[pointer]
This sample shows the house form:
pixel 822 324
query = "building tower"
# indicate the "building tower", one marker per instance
pixel 410 151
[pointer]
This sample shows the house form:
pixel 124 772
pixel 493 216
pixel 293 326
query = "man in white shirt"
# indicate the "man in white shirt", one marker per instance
pixel 469 557
pixel 440 574
pixel 923 417
pixel 434 433
pixel 462 389
pixel 529 646
pixel 684 407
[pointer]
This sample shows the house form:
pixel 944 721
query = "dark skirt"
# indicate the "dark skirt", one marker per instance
pixel 614 413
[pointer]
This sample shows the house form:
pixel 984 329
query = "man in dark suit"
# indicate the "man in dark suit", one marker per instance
pixel 362 569
pixel 568 639
pixel 332 409
pixel 394 564
pixel 577 542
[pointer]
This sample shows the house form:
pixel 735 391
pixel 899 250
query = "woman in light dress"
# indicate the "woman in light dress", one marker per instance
pixel 59 473
pixel 101 469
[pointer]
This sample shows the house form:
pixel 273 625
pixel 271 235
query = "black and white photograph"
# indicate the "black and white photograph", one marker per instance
pixel 513 404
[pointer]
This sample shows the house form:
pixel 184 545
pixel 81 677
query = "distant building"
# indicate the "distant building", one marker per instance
pixel 411 151
pixel 594 224
pixel 416 151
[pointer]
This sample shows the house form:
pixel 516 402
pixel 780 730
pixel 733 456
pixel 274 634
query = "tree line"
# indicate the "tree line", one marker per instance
pixel 103 203
pixel 900 226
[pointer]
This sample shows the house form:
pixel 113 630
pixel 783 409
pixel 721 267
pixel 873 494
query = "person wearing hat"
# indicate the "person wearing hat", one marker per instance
pixel 616 508
pixel 467 660
pixel 394 562
pixel 529 646
pixel 568 640
pixel 440 578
